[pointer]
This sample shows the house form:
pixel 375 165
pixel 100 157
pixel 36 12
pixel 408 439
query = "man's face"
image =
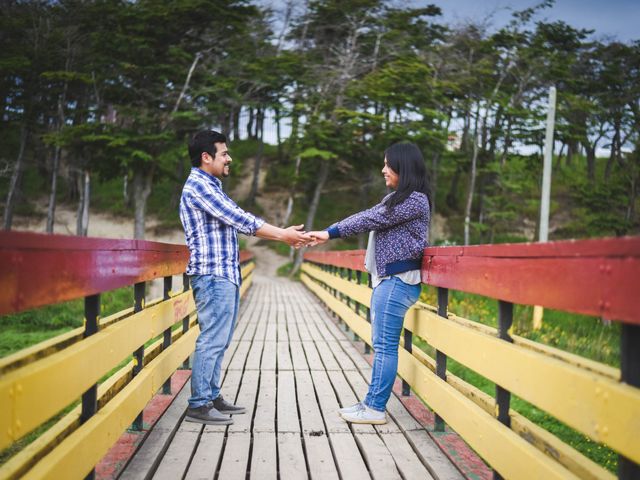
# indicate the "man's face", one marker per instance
pixel 218 165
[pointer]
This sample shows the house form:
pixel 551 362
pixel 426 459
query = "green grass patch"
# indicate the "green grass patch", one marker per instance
pixel 21 330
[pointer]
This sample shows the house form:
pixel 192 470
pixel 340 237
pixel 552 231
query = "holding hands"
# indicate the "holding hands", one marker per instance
pixel 296 237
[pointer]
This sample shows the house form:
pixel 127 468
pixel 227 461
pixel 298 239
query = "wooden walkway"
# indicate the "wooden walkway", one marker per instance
pixel 293 368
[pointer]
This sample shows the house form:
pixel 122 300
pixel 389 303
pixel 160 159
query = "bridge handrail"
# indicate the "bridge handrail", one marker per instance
pixel 38 382
pixel 594 399
pixel 603 273
pixel 82 266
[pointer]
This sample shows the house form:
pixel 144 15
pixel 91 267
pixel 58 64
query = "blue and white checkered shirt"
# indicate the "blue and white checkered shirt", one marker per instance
pixel 211 221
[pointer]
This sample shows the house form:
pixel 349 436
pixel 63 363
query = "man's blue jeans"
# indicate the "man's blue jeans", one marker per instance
pixel 217 305
pixel 389 302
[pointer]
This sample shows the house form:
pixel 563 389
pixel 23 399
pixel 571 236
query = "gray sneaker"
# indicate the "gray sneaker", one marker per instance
pixel 352 409
pixel 208 415
pixel 223 406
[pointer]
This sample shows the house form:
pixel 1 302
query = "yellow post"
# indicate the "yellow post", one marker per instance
pixel 538 313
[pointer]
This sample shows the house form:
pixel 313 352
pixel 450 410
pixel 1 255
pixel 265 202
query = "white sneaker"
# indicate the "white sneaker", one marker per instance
pixel 366 415
pixel 352 409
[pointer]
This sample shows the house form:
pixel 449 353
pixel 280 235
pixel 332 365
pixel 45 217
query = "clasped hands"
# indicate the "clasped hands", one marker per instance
pixel 296 237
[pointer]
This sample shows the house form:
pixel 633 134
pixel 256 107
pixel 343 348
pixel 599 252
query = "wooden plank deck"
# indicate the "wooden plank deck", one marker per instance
pixel 292 367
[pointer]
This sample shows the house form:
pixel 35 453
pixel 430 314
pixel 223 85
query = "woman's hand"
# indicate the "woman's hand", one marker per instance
pixel 318 237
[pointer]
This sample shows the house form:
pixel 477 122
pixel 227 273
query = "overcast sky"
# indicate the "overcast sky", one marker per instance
pixel 619 19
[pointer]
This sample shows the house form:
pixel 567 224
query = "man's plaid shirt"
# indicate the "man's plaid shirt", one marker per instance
pixel 211 221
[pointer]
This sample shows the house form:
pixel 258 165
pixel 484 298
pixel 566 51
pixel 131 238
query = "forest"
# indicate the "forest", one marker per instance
pixel 103 94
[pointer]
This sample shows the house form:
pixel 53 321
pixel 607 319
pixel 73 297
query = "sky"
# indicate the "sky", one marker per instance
pixel 615 19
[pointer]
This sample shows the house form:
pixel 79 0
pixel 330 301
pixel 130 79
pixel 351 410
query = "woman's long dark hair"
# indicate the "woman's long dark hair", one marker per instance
pixel 407 161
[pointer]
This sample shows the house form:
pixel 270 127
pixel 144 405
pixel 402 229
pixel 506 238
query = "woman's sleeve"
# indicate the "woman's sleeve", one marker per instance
pixel 380 217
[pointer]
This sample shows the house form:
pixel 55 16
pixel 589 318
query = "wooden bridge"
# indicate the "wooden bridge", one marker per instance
pixel 301 351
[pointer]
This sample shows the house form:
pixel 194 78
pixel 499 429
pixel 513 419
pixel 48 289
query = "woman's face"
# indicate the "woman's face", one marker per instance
pixel 390 177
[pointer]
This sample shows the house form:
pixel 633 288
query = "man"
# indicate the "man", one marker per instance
pixel 211 221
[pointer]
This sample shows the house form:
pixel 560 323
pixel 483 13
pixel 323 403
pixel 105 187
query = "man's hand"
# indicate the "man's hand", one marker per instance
pixel 318 237
pixel 293 236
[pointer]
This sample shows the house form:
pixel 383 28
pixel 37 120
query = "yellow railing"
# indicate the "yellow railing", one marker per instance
pixel 583 394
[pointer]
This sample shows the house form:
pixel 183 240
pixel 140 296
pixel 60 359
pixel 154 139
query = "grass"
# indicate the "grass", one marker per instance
pixel 21 330
pixel 588 337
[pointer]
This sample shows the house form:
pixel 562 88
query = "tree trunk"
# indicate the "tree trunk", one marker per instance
pixel 507 143
pixel 615 146
pixel 257 161
pixel 141 190
pixel 311 214
pixel 236 123
pixel 278 134
pixel 250 123
pixel 16 180
pixel 84 188
pixel 591 161
pixel 472 184
pixel 292 191
pixel 51 211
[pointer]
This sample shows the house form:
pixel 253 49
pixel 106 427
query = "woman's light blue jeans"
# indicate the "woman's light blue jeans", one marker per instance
pixel 389 302
pixel 217 305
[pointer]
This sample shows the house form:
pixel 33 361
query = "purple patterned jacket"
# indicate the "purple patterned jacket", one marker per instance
pixel 401 234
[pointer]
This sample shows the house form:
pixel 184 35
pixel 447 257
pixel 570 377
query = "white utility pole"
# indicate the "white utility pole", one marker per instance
pixel 546 188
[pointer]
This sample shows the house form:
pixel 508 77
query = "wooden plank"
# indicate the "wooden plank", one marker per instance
pixel 235 459
pixel 269 356
pixel 377 455
pixel 310 416
pixel 432 456
pixel 148 455
pixel 246 398
pixel 291 457
pixel 348 457
pixel 320 458
pixel 409 464
pixel 344 361
pixel 299 360
pixel 240 356
pixel 265 417
pixel 206 458
pixel 176 458
pixel 254 358
pixel 328 403
pixel 264 456
pixel 284 358
pixel 327 357
pixel 287 407
pixel 313 359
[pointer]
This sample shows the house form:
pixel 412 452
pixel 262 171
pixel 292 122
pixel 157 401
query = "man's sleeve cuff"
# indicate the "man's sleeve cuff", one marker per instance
pixel 259 222
pixel 333 232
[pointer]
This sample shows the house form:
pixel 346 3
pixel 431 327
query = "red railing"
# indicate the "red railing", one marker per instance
pixel 37 269
pixel 592 277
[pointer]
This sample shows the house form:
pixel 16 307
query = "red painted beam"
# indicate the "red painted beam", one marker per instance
pixel 594 277
pixel 37 269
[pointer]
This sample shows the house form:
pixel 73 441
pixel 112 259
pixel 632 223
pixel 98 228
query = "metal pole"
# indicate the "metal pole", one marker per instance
pixel 546 188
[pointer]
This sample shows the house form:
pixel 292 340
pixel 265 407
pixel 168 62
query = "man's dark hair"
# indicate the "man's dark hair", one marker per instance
pixel 407 161
pixel 204 141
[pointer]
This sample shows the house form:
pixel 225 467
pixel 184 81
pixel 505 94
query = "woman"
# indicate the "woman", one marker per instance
pixel 398 227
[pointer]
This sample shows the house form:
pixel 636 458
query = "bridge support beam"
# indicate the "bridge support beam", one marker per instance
pixel 166 335
pixel 90 397
pixel 630 374
pixel 441 358
pixel 138 355
pixel 185 321
pixel 503 396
